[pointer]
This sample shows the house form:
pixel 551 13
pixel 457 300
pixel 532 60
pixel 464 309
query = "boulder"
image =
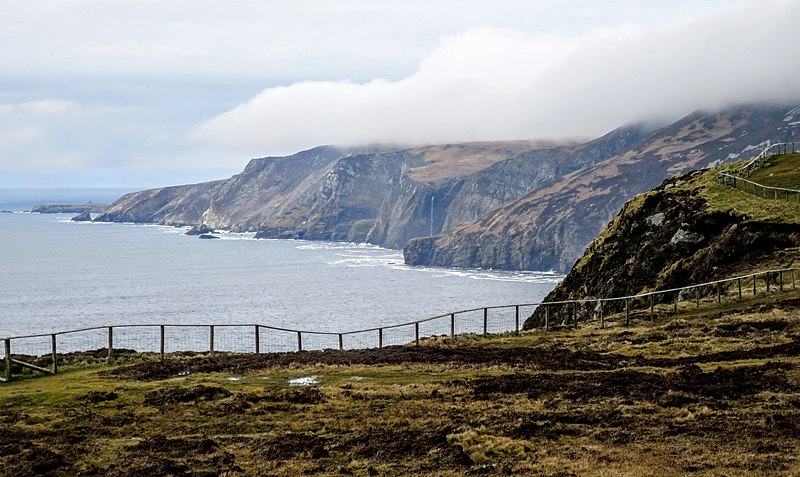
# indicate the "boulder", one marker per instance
pixel 200 230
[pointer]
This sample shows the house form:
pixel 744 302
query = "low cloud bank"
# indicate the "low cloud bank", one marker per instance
pixel 496 84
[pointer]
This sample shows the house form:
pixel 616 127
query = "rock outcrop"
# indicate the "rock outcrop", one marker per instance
pixel 549 228
pixel 688 230
pixel 84 216
pixel 200 230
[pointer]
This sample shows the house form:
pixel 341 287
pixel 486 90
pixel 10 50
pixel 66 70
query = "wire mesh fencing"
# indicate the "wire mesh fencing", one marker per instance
pixel 44 352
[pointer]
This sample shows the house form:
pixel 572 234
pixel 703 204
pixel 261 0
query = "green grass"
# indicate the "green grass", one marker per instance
pixel 426 419
pixel 779 171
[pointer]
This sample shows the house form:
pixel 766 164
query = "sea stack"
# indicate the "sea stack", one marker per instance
pixel 84 216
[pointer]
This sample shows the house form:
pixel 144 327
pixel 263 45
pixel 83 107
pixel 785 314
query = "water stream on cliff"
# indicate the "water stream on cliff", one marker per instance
pixel 60 275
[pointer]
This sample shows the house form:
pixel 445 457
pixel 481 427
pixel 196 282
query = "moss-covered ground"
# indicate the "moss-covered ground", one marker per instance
pixel 709 391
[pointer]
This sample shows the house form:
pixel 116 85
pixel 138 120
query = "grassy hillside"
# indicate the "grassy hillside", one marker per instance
pixel 782 171
pixel 691 229
pixel 705 393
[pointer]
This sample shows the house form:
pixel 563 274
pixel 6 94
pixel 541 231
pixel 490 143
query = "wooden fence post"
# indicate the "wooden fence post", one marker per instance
pixel 739 281
pixel 546 318
pixel 575 315
pixel 767 279
pixel 452 325
pixel 380 337
pixel 652 306
pixel 485 321
pixel 341 342
pixel 416 333
pixel 110 342
pixel 780 274
pixel 719 292
pixel 516 319
pixel 697 296
pixel 258 339
pixel 55 353
pixel 299 341
pixel 7 349
pixel 162 339
pixel 627 312
pixel 602 317
pixel 211 340
pixel 755 292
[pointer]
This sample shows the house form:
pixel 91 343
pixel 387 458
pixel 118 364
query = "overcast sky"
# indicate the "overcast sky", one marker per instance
pixel 157 92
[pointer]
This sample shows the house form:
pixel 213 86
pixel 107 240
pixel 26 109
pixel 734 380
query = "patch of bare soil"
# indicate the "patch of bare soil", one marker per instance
pixel 715 387
pixel 534 358
pixel 549 357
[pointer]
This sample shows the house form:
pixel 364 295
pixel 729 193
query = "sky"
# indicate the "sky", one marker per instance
pixel 147 93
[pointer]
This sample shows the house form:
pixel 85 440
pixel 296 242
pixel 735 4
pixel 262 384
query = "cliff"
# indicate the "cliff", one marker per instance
pixel 380 195
pixel 549 228
pixel 690 229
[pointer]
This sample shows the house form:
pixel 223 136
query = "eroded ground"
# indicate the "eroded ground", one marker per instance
pixel 696 394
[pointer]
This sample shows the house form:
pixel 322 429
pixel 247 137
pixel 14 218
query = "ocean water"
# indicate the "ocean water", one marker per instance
pixel 58 275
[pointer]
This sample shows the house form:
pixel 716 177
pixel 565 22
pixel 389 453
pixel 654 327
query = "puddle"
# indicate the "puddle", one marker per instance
pixel 304 381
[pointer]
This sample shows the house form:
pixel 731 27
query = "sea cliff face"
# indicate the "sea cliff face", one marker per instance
pixel 382 196
pixel 549 228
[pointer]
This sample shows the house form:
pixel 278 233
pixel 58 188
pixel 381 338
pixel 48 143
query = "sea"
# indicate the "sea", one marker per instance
pixel 57 275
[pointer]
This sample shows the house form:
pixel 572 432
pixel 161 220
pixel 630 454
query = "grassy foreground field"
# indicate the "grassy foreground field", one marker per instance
pixel 701 394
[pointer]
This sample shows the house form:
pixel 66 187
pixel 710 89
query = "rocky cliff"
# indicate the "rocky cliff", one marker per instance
pixel 690 229
pixel 379 195
pixel 549 228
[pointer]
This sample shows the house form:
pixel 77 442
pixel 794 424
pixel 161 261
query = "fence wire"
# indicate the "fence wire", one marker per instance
pixel 87 340
pixel 359 340
pixel 34 346
pixel 144 339
pixel 235 338
pixel 179 338
pixel 262 339
pixel 318 341
pixel 277 341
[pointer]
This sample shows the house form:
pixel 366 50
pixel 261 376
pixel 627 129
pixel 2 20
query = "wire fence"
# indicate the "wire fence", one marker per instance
pixel 776 149
pixel 44 352
pixel 759 190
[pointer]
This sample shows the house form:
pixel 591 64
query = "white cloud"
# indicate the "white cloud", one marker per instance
pixel 491 83
pixel 107 93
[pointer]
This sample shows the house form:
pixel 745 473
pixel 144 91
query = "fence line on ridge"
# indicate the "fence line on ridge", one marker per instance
pixel 776 149
pixel 46 350
pixel 751 187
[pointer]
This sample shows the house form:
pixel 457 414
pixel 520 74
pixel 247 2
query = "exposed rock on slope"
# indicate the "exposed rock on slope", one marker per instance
pixel 377 195
pixel 549 228
pixel 689 230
